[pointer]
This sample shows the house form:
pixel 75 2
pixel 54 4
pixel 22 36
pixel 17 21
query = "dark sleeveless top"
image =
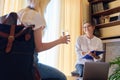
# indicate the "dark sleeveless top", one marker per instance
pixel 18 63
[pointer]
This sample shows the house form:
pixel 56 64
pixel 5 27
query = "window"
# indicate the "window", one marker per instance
pixel 51 33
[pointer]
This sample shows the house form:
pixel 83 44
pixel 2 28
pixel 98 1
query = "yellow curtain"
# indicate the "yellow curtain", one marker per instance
pixel 7 6
pixel 71 21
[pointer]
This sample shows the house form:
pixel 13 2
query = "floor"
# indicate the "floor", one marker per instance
pixel 73 78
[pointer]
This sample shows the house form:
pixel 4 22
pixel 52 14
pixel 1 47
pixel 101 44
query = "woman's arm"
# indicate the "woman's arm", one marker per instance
pixel 45 46
pixel 99 48
pixel 78 48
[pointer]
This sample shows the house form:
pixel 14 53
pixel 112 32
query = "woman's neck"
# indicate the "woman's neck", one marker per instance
pixel 90 36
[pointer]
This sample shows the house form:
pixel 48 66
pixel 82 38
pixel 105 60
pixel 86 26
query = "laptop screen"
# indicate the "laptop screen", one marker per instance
pixel 96 71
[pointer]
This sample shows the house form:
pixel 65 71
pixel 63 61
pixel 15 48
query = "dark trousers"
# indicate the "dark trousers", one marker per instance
pixel 48 72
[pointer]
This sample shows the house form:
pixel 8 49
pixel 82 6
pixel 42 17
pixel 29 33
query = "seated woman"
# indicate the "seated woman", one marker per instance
pixel 84 45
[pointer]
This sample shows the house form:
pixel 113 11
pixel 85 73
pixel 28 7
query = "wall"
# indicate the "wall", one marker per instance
pixel 112 30
pixel 112 51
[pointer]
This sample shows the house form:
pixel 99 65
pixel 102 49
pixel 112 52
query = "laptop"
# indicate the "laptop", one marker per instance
pixel 96 71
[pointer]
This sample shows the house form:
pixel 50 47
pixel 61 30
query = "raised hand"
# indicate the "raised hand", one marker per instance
pixel 65 39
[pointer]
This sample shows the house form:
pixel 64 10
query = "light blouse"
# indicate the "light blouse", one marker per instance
pixel 84 44
pixel 30 17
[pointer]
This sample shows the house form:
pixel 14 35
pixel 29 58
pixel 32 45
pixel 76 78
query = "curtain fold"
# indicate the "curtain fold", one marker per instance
pixel 71 21
pixel 51 33
pixel 7 6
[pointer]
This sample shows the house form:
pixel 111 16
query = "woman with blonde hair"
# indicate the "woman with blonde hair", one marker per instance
pixel 34 15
